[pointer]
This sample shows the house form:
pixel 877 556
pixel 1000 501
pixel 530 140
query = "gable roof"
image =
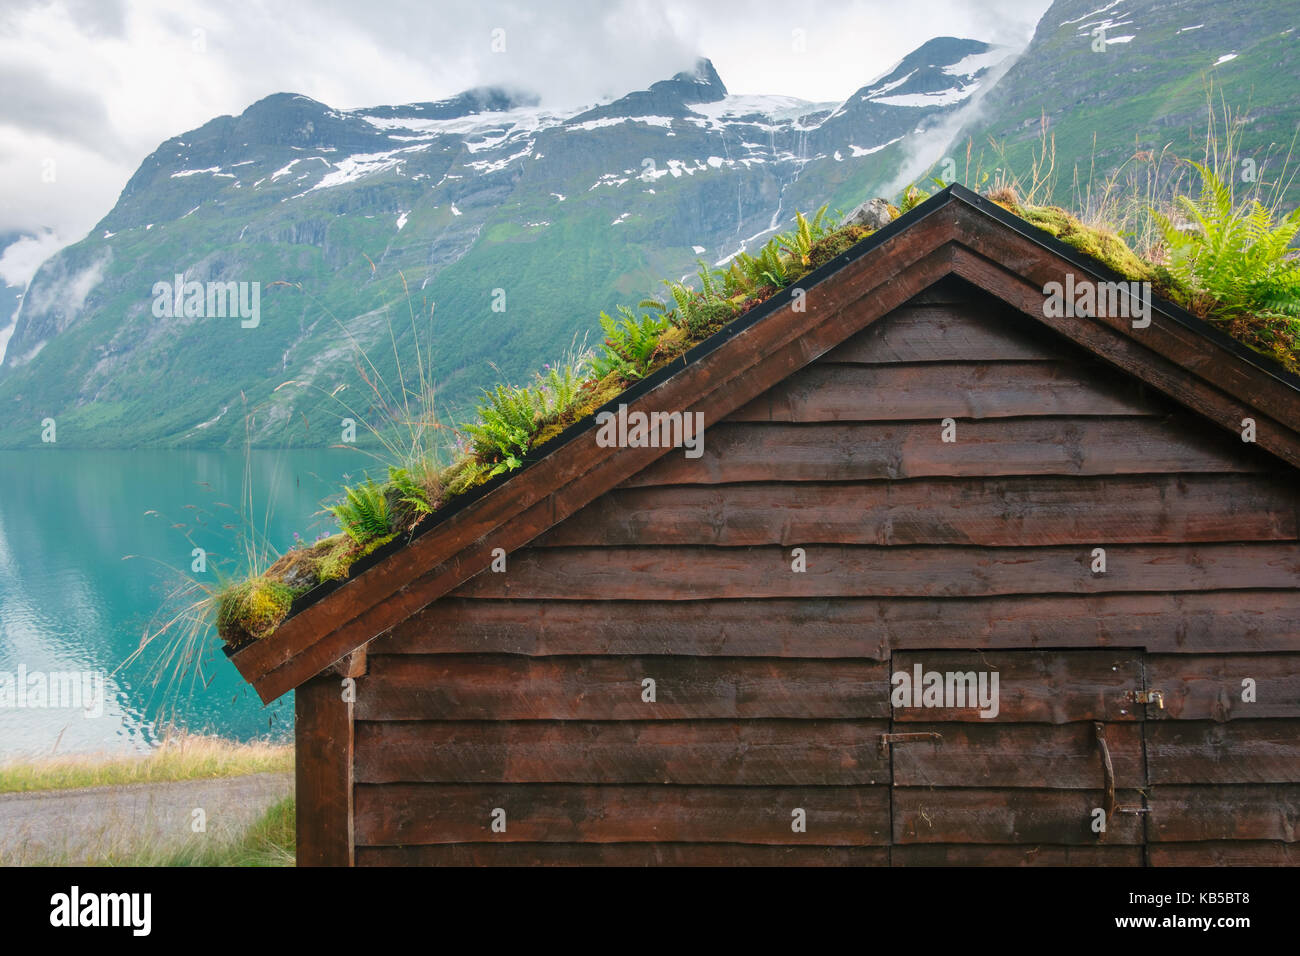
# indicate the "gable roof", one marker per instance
pixel 956 232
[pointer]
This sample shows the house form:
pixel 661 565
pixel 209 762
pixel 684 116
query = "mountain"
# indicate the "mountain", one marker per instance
pixel 1127 76
pixel 353 223
pixel 943 72
pixel 672 97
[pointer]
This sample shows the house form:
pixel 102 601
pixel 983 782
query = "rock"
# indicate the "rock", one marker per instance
pixel 872 214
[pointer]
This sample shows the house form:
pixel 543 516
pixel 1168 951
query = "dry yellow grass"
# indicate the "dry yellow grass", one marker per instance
pixel 183 757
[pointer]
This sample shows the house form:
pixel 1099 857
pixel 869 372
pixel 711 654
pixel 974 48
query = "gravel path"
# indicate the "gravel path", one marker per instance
pixel 95 823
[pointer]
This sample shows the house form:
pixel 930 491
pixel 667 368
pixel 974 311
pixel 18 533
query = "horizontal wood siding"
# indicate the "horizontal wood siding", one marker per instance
pixel 508 687
pixel 936 390
pixel 1002 512
pixel 1008 817
pixel 1037 445
pixel 1189 814
pixel 1009 756
pixel 620 854
pixel 1026 854
pixel 428 813
pixel 833 571
pixel 1178 623
pixel 724 753
pixel 1037 687
pixel 524 691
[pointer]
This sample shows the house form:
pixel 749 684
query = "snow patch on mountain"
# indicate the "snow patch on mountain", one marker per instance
pixel 286 170
pixel 938 98
pixel 665 121
pixel 858 151
pixel 731 109
pixel 875 92
pixel 1109 6
pixel 972 63
pixel 505 124
pixel 194 172
pixel 352 168
pixel 483 166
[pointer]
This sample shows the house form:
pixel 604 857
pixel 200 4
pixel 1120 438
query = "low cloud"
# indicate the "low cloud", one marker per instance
pixel 65 294
pixel 21 259
pixel 925 148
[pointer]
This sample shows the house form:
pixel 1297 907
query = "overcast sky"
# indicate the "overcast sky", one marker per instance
pixel 91 87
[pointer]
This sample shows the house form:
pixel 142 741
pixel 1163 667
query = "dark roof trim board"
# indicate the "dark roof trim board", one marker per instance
pixel 954 233
pixel 1169 310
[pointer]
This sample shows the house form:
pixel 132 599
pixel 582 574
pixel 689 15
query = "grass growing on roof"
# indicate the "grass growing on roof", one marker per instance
pixel 1226 255
pixel 1236 269
pixel 1229 261
pixel 514 420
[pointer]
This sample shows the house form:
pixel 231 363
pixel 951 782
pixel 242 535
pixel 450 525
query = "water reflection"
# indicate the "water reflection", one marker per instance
pixel 70 603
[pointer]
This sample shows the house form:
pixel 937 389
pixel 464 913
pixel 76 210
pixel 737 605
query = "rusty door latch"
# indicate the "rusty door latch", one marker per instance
pixel 1148 697
pixel 887 739
pixel 1108 779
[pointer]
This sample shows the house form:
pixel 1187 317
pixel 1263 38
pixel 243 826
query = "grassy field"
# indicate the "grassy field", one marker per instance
pixel 267 841
pixel 270 841
pixel 181 758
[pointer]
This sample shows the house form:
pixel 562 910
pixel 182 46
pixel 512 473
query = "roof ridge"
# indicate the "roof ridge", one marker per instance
pixel 921 246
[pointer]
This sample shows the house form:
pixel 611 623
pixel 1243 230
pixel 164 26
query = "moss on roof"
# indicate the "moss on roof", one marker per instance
pixel 515 421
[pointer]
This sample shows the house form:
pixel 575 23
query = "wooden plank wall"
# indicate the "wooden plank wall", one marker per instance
pixel 522 690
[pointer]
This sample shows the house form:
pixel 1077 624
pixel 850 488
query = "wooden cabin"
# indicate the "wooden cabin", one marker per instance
pixel 703 660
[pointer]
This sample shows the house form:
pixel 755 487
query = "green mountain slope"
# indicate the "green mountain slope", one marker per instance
pixel 1127 76
pixel 521 224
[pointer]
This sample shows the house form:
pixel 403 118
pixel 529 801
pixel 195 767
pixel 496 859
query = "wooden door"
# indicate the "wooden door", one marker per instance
pixel 1026 782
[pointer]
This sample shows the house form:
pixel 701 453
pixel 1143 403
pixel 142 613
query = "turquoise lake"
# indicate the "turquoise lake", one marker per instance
pixel 92 543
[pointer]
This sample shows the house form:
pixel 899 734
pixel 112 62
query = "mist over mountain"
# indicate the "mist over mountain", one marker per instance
pixel 521 222
pixel 12 284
